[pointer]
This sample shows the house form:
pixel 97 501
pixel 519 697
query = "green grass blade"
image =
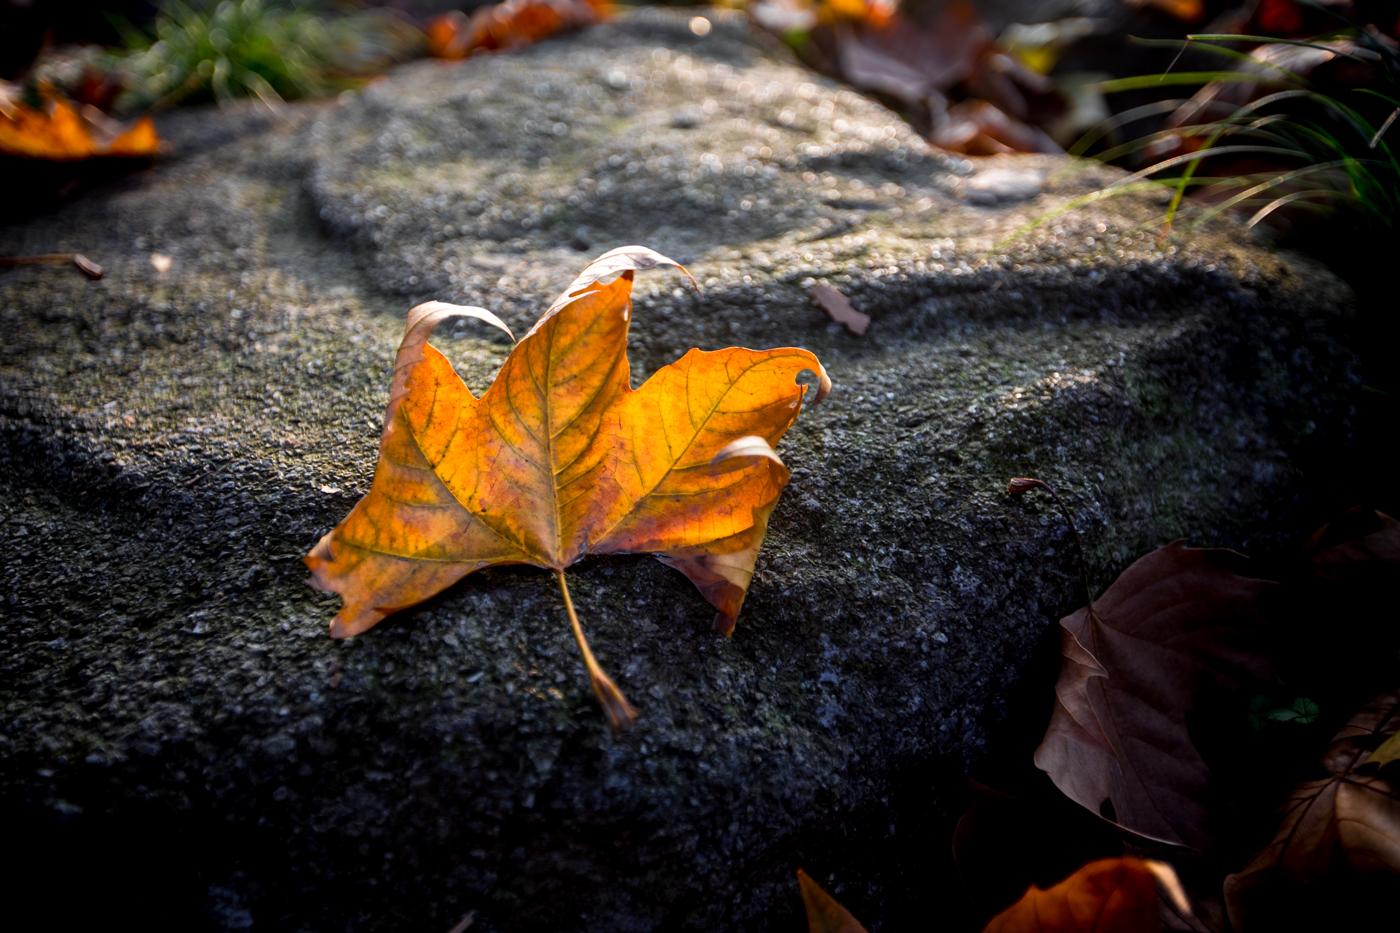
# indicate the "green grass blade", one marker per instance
pixel 1246 195
pixel 1127 116
pixel 1287 199
pixel 1221 51
pixel 1205 154
pixel 1369 57
pixel 1183 78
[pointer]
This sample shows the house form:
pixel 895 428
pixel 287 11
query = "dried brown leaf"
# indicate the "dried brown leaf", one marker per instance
pixel 1133 667
pixel 80 262
pixel 838 307
pixel 1357 542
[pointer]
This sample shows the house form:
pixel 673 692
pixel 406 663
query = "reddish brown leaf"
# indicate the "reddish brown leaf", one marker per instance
pixel 824 913
pixel 1348 822
pixel 838 307
pixel 1117 742
pixel 1359 541
pixel 448 36
pixel 1112 895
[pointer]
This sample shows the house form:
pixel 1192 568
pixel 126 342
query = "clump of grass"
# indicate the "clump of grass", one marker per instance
pixel 1323 152
pixel 256 48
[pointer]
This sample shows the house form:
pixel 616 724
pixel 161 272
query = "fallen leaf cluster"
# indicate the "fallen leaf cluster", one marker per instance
pixel 973 92
pixel 1177 631
pixel 1347 821
pixel 511 24
pixel 561 458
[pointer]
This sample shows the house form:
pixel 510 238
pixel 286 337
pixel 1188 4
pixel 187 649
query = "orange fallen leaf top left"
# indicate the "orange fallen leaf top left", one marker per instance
pixel 561 458
pixel 64 135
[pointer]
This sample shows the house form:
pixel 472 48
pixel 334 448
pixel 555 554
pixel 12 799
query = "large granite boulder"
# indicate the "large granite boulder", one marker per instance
pixel 174 441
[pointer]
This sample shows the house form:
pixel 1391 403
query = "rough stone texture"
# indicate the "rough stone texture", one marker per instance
pixel 174 442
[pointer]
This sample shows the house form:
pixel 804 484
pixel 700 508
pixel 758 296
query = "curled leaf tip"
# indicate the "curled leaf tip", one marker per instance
pixel 624 261
pixel 823 385
pixel 1166 877
pixel 431 313
pixel 352 621
pixel 1022 485
pixel 87 267
pixel 750 445
pixel 724 624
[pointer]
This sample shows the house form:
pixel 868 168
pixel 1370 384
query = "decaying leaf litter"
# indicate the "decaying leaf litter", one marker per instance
pixel 561 458
pixel 1346 821
pixel 1118 744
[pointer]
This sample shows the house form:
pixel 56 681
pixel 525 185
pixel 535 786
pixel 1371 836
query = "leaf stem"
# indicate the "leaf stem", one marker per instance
pixel 619 712
pixel 1023 485
pixel 84 265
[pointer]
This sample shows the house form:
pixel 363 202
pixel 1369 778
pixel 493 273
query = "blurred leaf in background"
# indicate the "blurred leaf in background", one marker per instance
pixel 514 23
pixel 966 89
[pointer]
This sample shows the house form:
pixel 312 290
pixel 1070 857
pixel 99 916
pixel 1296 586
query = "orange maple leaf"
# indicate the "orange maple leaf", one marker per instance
pixel 561 458
pixel 825 914
pixel 64 133
pixel 1111 895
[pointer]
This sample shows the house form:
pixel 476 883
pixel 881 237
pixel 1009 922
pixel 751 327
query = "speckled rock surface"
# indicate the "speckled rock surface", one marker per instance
pixel 173 442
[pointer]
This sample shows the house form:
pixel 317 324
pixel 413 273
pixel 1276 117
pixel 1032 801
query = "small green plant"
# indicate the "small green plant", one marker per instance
pixel 1322 152
pixel 256 48
pixel 1262 709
